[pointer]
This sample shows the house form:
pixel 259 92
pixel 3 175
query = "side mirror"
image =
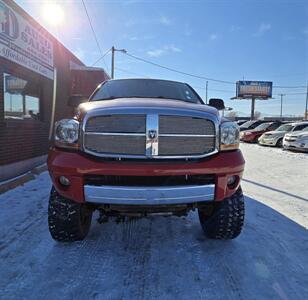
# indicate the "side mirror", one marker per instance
pixel 217 103
pixel 75 100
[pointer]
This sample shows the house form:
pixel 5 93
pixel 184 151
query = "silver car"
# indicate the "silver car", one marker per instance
pixel 275 138
pixel 296 140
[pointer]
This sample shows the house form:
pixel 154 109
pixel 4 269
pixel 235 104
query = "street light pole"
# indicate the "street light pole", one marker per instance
pixel 306 108
pixel 206 88
pixel 113 50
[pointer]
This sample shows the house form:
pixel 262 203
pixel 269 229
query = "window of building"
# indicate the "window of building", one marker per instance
pixel 21 98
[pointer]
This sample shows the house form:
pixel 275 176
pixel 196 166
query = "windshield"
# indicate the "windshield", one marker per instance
pixel 146 88
pixel 285 127
pixel 262 126
pixel 247 124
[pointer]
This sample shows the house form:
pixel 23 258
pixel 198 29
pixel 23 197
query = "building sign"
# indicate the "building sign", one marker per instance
pixel 23 43
pixel 254 89
pixel 14 85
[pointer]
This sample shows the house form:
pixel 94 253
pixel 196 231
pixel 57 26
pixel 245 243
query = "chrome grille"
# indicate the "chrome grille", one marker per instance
pixel 117 123
pixel 177 145
pixel 116 144
pixel 149 136
pixel 185 125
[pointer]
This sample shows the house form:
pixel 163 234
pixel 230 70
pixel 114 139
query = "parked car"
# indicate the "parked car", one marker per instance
pixel 248 125
pixel 253 135
pixel 136 149
pixel 275 138
pixel 297 140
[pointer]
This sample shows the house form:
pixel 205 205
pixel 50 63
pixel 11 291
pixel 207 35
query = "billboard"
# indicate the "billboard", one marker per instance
pixel 254 89
pixel 23 43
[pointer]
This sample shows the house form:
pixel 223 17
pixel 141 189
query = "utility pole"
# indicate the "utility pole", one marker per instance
pixel 281 98
pixel 113 50
pixel 306 107
pixel 112 62
pixel 253 103
pixel 206 88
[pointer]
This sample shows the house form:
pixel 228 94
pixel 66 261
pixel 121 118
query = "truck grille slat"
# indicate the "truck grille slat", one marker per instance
pixel 184 125
pixel 138 136
pixel 117 123
pixel 131 145
pixel 183 145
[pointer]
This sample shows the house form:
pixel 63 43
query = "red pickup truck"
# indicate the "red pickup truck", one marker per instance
pixel 145 146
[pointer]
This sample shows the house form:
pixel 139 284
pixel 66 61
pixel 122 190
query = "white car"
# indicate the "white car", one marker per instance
pixel 297 140
pixel 275 137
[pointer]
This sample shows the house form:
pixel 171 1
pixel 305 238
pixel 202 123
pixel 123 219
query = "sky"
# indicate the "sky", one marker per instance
pixel 224 40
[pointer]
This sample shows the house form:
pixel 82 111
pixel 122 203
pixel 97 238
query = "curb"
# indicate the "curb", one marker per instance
pixel 22 179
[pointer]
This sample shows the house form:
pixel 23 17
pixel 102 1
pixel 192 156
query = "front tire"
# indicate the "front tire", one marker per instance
pixel 68 221
pixel 226 219
pixel 279 143
pixel 255 140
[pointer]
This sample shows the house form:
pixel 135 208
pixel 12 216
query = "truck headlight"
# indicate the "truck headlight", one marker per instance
pixel 66 133
pixel 229 136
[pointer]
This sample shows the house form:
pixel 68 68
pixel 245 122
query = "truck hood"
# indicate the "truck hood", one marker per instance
pixel 147 103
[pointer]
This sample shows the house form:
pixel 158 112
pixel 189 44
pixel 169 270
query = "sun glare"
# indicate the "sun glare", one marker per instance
pixel 53 14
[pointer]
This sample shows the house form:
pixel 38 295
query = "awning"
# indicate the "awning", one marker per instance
pixel 84 80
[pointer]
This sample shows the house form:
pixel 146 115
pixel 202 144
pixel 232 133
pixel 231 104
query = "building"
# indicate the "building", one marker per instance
pixel 37 74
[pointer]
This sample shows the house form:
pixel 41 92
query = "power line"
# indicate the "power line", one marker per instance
pixel 94 34
pixel 200 76
pixel 214 90
pixel 289 87
pixel 102 57
pixel 293 94
pixel 178 71
pixel 130 72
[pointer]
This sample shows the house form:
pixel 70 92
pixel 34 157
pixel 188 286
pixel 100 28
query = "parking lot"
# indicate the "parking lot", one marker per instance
pixel 161 257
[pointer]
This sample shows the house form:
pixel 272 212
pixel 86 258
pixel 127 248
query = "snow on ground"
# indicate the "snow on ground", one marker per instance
pixel 166 258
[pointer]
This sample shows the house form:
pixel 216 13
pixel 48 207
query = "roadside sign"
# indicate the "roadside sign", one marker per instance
pixel 254 89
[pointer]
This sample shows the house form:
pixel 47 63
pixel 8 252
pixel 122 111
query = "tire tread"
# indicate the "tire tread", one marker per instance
pixel 227 219
pixel 64 219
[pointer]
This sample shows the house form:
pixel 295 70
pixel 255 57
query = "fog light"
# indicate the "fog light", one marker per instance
pixel 231 181
pixel 64 181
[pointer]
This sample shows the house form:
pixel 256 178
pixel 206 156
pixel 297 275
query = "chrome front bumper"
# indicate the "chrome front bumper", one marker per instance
pixel 265 141
pixel 149 195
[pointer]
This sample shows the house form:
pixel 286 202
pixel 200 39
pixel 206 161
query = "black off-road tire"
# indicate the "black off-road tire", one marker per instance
pixel 68 221
pixel 226 219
